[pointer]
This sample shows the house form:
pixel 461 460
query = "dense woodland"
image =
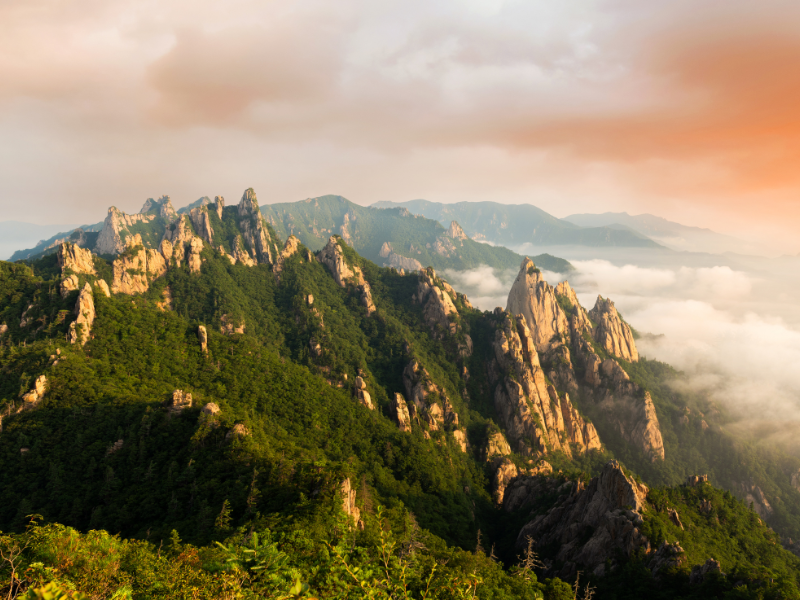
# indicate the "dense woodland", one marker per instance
pixel 107 493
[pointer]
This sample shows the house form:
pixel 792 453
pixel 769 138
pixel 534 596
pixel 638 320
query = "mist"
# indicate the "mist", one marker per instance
pixel 733 333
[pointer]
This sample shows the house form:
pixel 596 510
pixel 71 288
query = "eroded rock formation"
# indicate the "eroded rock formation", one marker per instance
pixel 254 229
pixel 611 332
pixel 362 394
pixel 116 229
pixel 428 402
pixel 32 398
pixel 81 328
pixel 590 524
pixel 202 336
pixel 399 412
pixel 332 256
pixel 179 402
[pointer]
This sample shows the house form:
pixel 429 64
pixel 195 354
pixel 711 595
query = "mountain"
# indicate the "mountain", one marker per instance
pixel 16 234
pixel 516 224
pixel 249 417
pixel 392 237
pixel 667 233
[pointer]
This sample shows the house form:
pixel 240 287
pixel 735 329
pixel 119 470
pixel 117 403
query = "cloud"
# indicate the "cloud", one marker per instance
pixel 745 361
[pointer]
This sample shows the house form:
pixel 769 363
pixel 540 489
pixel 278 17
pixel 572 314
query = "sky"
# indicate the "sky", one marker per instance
pixel 683 109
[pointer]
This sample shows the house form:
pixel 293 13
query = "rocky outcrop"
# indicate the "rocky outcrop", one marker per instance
pixel 536 300
pixel 455 232
pixel 667 556
pixel 567 295
pixel 392 259
pixel 3 329
pixel 611 332
pixel 254 229
pixel 496 445
pixel 229 325
pixel 209 415
pixel 289 249
pixel 362 394
pixel 161 207
pixel 504 472
pixel 398 409
pixel 332 256
pixel 461 439
pixel 116 229
pixel 711 568
pixel 591 524
pixel 103 287
pixel 32 398
pixel 179 402
pixel 138 266
pixel 73 260
pixel 427 401
pixel 349 507
pixel 534 417
pixel 636 420
pixel 238 431
pixel 202 336
pixel 753 495
pixel 81 328
pixel 202 223
pixel 438 308
pixel 219 206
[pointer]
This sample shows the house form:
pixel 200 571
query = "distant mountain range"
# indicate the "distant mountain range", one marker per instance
pixel 515 224
pixel 667 233
pixel 16 234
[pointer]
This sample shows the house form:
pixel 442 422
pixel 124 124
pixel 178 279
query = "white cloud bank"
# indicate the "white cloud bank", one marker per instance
pixel 746 361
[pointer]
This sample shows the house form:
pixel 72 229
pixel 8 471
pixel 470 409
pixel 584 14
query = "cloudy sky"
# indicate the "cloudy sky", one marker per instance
pixel 684 109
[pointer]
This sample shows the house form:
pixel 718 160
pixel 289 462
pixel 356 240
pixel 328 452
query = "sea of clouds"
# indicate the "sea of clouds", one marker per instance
pixel 705 321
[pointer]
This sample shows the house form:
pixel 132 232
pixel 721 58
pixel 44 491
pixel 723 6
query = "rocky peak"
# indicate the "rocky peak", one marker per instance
pixel 579 315
pixel 219 205
pixel 116 228
pixel 161 207
pixel 611 332
pixel 289 249
pixel 455 232
pixel 590 524
pixel 254 228
pixel 332 256
pixel 438 308
pixel 202 223
pixel 534 298
pixel 73 260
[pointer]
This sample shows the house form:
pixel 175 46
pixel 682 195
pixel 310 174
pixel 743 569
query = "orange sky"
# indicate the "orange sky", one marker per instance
pixel 683 109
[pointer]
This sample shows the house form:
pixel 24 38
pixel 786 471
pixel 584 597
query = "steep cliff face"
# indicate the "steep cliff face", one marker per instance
pixel 254 229
pixel 438 308
pixel 427 402
pixel 611 332
pixel 202 223
pixel 73 260
pixel 116 228
pixel 343 273
pixel 589 525
pixel 161 207
pixel 578 317
pixel 536 300
pixel 138 266
pixel 81 328
pixel 535 418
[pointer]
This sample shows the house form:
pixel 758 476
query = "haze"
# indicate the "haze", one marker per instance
pixel 683 109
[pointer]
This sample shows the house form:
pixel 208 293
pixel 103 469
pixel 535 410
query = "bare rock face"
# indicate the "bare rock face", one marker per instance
pixel 536 300
pixel 80 329
pixel 533 415
pixel 161 207
pixel 289 249
pixel 636 419
pixel 240 254
pixel 343 273
pixel 399 412
pixel 3 329
pixel 496 445
pixel 667 556
pixel 116 229
pixel 592 524
pixel 438 307
pixel 211 409
pixel 455 232
pixel 103 287
pixel 75 259
pixel 179 402
pixel 137 267
pixel 402 263
pixel 202 223
pixel 209 414
pixel 254 228
pixel 219 205
pixel 427 401
pixel 202 336
pixel 32 398
pixel 565 291
pixel 505 471
pixel 461 439
pixel 386 250
pixel 754 495
pixel 612 333
pixel 349 503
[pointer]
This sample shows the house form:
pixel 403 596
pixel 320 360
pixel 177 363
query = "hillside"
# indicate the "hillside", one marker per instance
pixel 392 237
pixel 516 224
pixel 250 418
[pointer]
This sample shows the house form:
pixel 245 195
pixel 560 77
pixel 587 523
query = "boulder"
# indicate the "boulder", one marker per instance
pixel 179 402
pixel 238 431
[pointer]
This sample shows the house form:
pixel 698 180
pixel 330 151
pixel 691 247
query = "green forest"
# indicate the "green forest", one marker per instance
pixel 110 491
